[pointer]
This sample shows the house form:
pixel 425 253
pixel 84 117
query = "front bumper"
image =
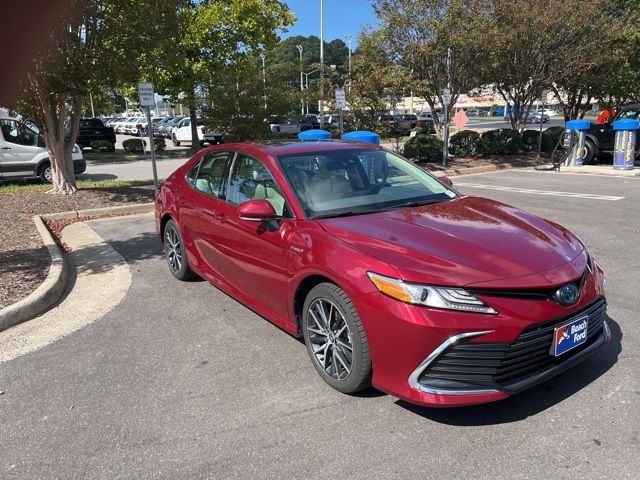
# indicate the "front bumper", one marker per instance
pixel 417 355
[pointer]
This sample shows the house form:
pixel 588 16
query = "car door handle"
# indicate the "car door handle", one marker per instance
pixel 221 217
pixel 6 148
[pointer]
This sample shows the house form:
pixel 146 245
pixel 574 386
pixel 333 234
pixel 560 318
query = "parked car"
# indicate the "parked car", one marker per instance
pixel 131 126
pixel 537 117
pixel 309 122
pixel 166 129
pixel 181 133
pixel 289 126
pixel 118 126
pixel 23 152
pixel 91 129
pixel 391 276
pixel 425 123
pixel 411 118
pixel 600 138
pixel 158 126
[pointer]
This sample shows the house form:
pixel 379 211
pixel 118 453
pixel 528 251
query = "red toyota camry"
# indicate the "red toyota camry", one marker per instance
pixel 391 276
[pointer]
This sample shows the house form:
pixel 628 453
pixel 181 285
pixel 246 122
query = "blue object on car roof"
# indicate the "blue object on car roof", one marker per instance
pixel 626 124
pixel 362 136
pixel 314 134
pixel 578 125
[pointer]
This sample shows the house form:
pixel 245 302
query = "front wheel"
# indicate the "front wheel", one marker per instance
pixel 175 141
pixel 45 173
pixel 335 339
pixel 175 252
pixel 590 155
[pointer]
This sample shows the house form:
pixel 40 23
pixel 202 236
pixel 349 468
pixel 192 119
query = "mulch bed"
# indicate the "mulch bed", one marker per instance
pixel 24 261
pixel 499 162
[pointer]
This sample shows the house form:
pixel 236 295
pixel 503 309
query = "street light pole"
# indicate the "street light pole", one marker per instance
pixel 349 38
pixel 300 49
pixel 445 152
pixel 321 64
pixel 264 82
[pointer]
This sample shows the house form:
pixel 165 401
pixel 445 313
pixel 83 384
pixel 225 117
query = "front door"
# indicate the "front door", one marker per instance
pixel 255 252
pixel 18 147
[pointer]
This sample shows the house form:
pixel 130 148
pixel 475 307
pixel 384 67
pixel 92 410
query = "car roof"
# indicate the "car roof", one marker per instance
pixel 297 147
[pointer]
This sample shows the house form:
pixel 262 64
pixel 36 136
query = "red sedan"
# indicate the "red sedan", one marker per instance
pixel 392 277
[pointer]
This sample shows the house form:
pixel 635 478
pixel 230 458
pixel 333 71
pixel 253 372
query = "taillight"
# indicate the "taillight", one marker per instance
pixel 203 130
pixel 278 128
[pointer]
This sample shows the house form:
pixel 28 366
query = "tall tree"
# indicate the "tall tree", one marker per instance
pixel 439 42
pixel 91 50
pixel 211 35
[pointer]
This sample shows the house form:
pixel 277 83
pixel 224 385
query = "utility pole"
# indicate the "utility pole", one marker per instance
pixel 349 38
pixel 321 64
pixel 264 82
pixel 93 113
pixel 446 103
pixel 300 49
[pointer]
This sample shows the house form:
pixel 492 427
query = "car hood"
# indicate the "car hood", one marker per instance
pixel 466 241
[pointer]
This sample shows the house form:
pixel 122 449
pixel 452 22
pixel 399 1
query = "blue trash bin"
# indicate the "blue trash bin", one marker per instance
pixel 314 134
pixel 576 157
pixel 624 153
pixel 362 136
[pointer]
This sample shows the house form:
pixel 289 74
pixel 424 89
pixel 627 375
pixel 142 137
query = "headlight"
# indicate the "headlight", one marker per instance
pixel 437 297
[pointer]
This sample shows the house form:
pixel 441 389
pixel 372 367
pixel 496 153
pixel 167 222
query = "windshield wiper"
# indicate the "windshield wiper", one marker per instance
pixel 414 204
pixel 341 214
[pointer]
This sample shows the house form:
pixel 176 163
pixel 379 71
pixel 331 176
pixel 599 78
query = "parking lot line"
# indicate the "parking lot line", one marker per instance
pixel 530 191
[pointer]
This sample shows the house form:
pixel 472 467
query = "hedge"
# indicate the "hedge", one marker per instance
pixel 530 139
pixel 502 141
pixel 102 146
pixel 550 138
pixel 135 144
pixel 424 148
pixel 464 143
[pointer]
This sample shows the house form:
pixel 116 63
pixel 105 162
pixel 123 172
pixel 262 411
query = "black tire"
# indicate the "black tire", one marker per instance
pixel 175 141
pixel 175 252
pixel 202 142
pixel 591 155
pixel 44 172
pixel 359 376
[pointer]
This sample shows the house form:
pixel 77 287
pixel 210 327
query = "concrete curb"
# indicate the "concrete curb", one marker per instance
pixel 48 293
pixel 53 287
pixel 96 212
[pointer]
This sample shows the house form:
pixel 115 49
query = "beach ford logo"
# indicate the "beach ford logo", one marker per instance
pixel 570 335
pixel 567 295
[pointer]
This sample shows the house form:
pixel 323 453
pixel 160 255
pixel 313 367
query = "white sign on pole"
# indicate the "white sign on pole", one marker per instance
pixel 341 101
pixel 145 94
pixel 544 96
pixel 446 96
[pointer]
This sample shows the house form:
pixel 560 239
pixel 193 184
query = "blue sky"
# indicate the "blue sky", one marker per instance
pixel 340 17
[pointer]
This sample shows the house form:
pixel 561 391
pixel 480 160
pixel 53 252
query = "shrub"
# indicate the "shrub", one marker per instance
pixel 423 148
pixel 464 143
pixel 102 146
pixel 530 139
pixel 502 141
pixel 133 145
pixel 550 138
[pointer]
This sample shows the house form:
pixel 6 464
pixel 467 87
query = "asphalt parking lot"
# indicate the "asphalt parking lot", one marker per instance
pixel 181 381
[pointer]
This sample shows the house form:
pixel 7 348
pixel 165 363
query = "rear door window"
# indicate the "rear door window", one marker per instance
pixel 208 175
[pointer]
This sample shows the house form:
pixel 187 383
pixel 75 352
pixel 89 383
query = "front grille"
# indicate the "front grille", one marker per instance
pixel 470 365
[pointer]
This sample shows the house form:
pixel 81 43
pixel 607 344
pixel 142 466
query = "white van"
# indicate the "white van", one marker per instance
pixel 22 152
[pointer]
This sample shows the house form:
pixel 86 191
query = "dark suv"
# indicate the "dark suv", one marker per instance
pixel 600 137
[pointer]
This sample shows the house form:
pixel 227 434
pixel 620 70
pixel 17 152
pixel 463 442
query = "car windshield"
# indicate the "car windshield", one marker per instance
pixel 359 181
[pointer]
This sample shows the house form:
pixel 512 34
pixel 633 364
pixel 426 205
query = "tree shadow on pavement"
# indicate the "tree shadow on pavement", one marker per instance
pixel 534 400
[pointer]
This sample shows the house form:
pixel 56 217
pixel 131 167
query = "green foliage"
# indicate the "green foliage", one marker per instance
pixel 424 148
pixel 530 139
pixel 102 146
pixel 501 141
pixel 550 138
pixel 134 145
pixel 464 143
pixel 159 143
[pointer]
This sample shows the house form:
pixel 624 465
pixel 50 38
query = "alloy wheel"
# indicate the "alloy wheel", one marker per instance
pixel 330 338
pixel 173 249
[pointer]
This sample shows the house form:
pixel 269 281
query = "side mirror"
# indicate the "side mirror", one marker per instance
pixel 256 211
pixel 446 181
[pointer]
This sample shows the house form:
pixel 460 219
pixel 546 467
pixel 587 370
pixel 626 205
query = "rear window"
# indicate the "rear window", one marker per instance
pixel 91 123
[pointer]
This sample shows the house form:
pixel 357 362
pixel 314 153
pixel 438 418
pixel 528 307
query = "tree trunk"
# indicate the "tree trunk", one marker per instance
pixel 59 143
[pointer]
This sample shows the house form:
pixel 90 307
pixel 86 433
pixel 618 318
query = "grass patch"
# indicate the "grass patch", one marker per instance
pixel 108 157
pixel 36 187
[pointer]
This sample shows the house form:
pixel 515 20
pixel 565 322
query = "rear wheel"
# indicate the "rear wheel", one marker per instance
pixel 175 252
pixel 202 142
pixel 45 174
pixel 335 339
pixel 175 141
pixel 590 155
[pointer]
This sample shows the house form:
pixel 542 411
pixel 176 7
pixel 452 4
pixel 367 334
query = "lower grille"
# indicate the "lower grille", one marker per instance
pixel 473 365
